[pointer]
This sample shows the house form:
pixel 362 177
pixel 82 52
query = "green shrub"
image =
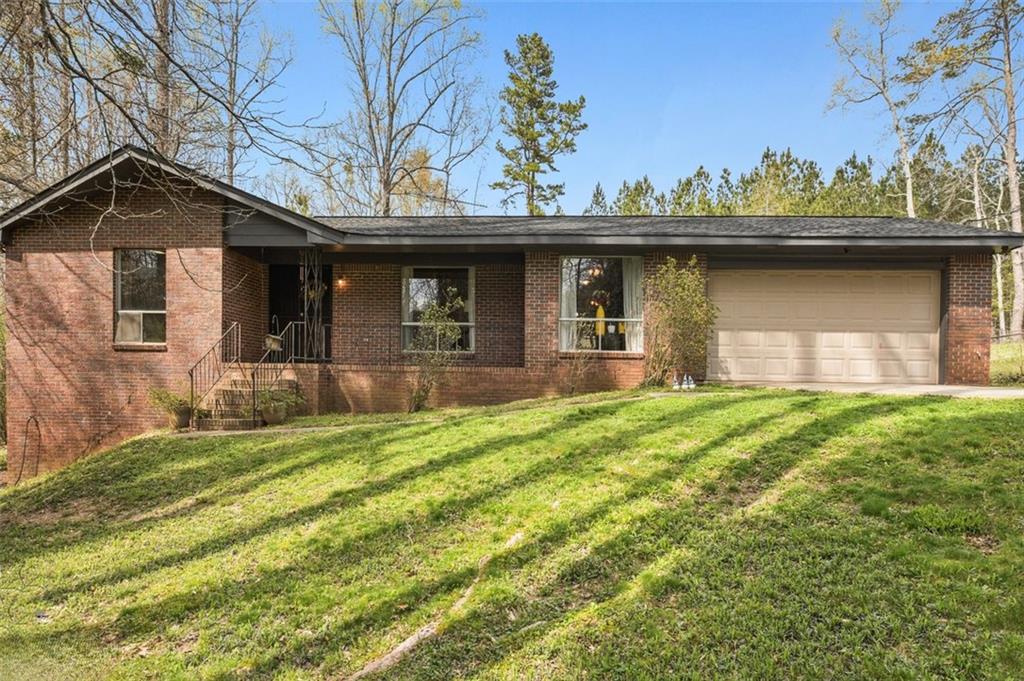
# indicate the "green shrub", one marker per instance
pixel 435 346
pixel 168 400
pixel 289 399
pixel 680 320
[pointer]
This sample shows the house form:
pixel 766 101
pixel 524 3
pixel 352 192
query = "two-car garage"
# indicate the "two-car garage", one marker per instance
pixel 865 326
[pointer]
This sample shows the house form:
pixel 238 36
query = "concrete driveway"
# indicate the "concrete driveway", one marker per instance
pixel 993 392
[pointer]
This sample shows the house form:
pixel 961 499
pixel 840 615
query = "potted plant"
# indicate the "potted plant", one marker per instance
pixel 177 406
pixel 275 404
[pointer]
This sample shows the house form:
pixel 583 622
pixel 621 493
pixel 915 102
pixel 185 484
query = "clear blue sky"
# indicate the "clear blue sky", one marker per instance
pixel 669 86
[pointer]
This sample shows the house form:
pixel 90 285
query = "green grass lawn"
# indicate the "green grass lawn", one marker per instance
pixel 740 533
pixel 1007 366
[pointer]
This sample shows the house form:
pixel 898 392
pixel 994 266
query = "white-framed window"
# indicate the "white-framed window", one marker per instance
pixel 601 306
pixel 140 296
pixel 423 286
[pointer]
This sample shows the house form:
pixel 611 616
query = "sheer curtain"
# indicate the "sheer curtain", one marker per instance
pixel 567 308
pixel 633 302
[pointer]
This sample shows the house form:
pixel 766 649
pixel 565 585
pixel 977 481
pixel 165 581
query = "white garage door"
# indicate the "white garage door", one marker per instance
pixel 846 326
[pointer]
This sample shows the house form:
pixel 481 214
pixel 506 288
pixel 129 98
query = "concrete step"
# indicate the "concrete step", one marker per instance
pixel 225 424
pixel 241 412
pixel 232 396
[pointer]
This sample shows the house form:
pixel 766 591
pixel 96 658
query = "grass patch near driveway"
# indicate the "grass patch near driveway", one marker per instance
pixel 1007 363
pixel 743 533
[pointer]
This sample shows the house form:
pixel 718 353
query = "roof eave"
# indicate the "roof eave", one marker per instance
pixel 1001 241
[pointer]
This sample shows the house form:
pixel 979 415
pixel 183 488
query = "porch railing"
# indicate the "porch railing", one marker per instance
pixel 295 343
pixel 211 367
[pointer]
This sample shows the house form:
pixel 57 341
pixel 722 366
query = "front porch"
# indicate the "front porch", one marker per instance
pixel 345 321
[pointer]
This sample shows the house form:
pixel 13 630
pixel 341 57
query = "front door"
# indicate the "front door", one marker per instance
pixel 286 300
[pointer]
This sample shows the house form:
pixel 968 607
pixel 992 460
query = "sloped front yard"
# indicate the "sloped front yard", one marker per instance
pixel 752 533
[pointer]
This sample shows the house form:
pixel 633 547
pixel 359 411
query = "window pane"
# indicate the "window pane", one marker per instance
pixel 142 280
pixel 598 284
pixel 421 338
pixel 432 285
pixel 129 327
pixel 598 288
pixel 154 328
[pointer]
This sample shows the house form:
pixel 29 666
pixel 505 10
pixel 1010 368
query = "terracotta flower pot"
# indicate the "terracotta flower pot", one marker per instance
pixel 274 414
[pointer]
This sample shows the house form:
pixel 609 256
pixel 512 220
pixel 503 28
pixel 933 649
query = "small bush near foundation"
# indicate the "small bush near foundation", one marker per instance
pixel 434 346
pixel 286 399
pixel 168 400
pixel 680 319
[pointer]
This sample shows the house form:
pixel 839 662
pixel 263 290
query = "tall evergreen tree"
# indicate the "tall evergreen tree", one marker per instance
pixel 852 191
pixel 598 202
pixel 638 198
pixel 693 195
pixel 539 127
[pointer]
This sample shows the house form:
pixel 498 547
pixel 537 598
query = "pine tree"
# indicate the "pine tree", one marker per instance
pixel 540 128
pixel 639 198
pixel 598 202
pixel 692 195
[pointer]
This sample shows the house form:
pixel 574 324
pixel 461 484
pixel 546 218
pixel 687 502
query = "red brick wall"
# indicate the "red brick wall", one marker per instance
pixel 367 315
pixel 359 388
pixel 518 361
pixel 245 300
pixel 62 365
pixel 968 319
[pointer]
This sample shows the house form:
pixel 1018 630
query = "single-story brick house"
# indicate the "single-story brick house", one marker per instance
pixel 135 270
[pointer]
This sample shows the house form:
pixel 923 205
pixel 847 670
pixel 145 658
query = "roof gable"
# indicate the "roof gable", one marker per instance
pixel 121 159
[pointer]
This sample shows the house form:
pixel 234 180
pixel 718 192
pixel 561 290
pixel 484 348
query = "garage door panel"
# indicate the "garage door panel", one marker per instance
pixel 890 369
pixel 805 369
pixel 832 369
pixel 921 341
pixel 833 339
pixel 862 340
pixel 825 326
pixel 918 369
pixel 776 339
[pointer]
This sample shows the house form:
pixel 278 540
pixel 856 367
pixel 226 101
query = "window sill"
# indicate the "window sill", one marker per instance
pixel 459 354
pixel 140 347
pixel 600 354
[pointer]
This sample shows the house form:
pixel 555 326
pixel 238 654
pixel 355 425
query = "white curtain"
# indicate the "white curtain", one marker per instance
pixel 633 302
pixel 567 309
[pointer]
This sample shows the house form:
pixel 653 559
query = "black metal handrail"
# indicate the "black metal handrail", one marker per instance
pixel 211 367
pixel 295 343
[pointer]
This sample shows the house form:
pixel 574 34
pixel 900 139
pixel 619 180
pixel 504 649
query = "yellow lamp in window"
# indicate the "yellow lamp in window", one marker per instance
pixel 599 325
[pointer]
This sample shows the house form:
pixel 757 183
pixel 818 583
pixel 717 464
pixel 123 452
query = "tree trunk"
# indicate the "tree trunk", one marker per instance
pixel 908 176
pixel 1000 303
pixel 979 217
pixel 161 123
pixel 1012 176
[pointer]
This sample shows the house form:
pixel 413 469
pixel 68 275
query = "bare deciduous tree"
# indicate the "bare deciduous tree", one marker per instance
pixel 973 49
pixel 872 76
pixel 417 114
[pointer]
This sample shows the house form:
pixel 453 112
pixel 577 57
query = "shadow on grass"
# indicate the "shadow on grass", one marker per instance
pixel 485 636
pixel 210 471
pixel 342 500
pixel 151 617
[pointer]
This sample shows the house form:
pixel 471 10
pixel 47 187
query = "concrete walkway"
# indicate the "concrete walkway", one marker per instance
pixel 987 392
